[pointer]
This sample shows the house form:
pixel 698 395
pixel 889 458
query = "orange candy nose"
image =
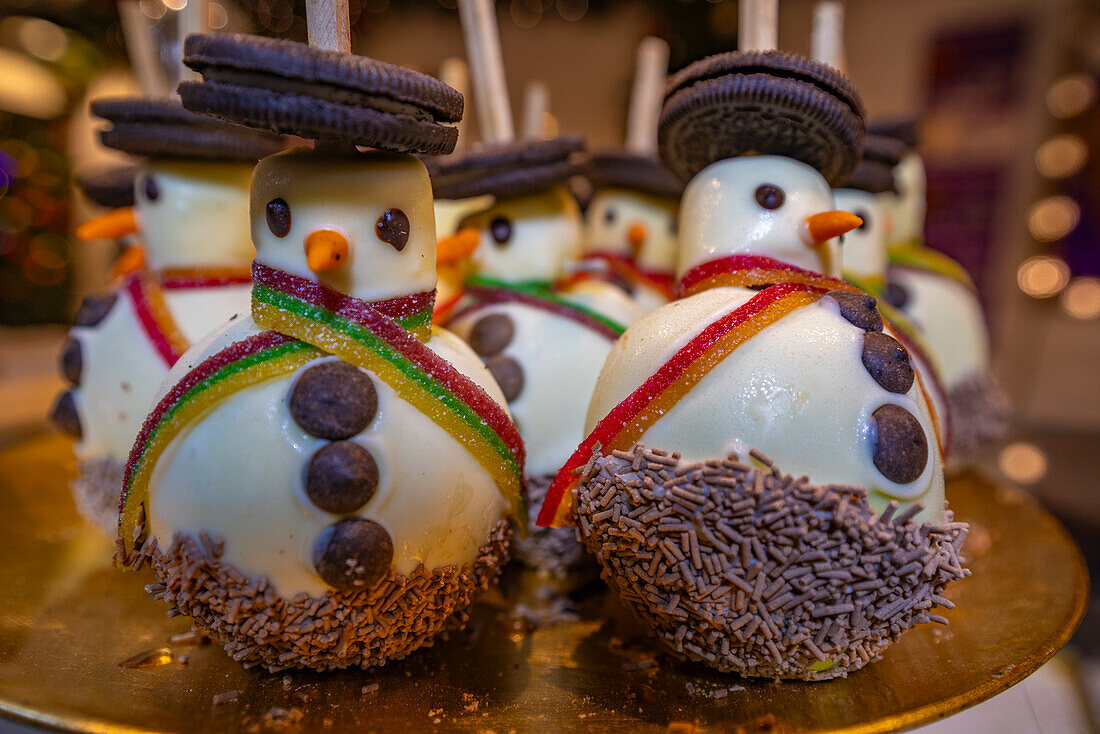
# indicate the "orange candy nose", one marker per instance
pixel 109 226
pixel 457 246
pixel 636 235
pixel 325 250
pixel 827 225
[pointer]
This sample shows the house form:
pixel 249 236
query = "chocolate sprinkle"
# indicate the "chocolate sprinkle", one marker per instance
pixel 858 309
pixel 509 375
pixel 353 554
pixel 901 448
pixel 333 400
pixel 94 309
pixel 65 416
pixel 342 477
pixel 979 416
pixel 556 550
pixel 72 362
pixel 339 629
pixel 751 571
pixel 95 491
pixel 491 334
pixel 887 361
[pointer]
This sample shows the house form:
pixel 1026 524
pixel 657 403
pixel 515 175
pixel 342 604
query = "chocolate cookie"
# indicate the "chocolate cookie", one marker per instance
pixel 110 187
pixel 289 87
pixel 504 170
pixel 622 169
pixel 903 128
pixel 156 128
pixel 766 102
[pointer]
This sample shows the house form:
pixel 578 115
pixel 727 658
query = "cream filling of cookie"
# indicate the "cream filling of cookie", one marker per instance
pixel 238 473
pixel 950 317
pixel 318 90
pixel 797 391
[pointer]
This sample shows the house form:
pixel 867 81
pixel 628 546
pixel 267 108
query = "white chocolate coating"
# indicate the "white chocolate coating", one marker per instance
pixel 238 473
pixel 719 214
pixel 200 215
pixel 348 196
pixel 950 317
pixel 863 250
pixel 797 391
pixel 450 212
pixel 907 208
pixel 560 360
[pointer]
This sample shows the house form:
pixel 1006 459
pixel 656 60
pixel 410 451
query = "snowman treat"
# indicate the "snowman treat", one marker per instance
pixel 940 299
pixel 326 483
pixel 730 561
pixel 188 206
pixel 543 343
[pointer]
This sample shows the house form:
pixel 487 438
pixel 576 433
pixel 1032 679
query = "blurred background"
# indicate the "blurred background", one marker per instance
pixel 1006 90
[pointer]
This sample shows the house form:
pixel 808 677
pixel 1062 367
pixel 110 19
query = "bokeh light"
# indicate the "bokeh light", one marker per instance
pixel 1023 462
pixel 1071 95
pixel 1081 298
pixel 1053 218
pixel 1061 156
pixel 1042 276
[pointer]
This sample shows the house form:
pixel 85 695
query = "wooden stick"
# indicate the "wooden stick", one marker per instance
pixel 494 112
pixel 194 17
pixel 329 25
pixel 143 54
pixel 536 103
pixel 827 37
pixel 456 74
pixel 650 72
pixel 758 25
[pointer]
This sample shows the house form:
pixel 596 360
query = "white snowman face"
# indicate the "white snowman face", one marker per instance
pixel 194 214
pixel 762 205
pixel 526 238
pixel 361 225
pixel 910 202
pixel 863 250
pixel 634 225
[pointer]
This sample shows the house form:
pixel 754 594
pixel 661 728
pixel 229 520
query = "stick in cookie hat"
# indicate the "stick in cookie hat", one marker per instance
pixel 761 364
pixel 333 472
pixel 543 343
pixel 187 209
pixel 630 223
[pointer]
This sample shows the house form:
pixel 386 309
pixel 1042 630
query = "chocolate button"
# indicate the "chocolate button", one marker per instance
pixel 888 362
pixel 492 334
pixel 353 554
pixel 333 400
pixel 342 477
pixel 901 448
pixel 508 374
pixel 64 415
pixel 859 309
pixel 72 362
pixel 94 309
pixel 896 294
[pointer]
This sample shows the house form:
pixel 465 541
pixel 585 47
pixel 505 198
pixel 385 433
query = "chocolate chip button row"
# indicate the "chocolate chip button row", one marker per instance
pixel 72 361
pixel 94 309
pixel 491 334
pixel 64 415
pixel 901 447
pixel 508 374
pixel 333 400
pixel 342 477
pixel 896 294
pixel 887 361
pixel 353 554
pixel 859 309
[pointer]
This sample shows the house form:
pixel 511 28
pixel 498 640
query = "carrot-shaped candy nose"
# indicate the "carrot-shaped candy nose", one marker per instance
pixel 823 227
pixel 326 250
pixel 130 261
pixel 457 246
pixel 636 235
pixel 113 225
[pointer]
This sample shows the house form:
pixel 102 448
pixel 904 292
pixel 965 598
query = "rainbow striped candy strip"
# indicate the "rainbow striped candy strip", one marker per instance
pixel 248 362
pixel 186 278
pixel 155 318
pixel 362 335
pixel 629 270
pixel 872 284
pixel 630 419
pixel 915 256
pixel 488 291
pixel 748 271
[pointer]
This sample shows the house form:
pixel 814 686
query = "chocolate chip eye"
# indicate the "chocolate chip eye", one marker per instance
pixel 152 190
pixel 393 228
pixel 770 196
pixel 278 217
pixel 609 216
pixel 866 219
pixel 501 230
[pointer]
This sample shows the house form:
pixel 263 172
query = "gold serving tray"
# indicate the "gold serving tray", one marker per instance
pixel 67 619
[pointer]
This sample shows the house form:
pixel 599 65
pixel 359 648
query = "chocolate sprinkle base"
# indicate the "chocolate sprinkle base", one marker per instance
pixel 979 417
pixel 750 571
pixel 340 629
pixel 95 492
pixel 556 550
